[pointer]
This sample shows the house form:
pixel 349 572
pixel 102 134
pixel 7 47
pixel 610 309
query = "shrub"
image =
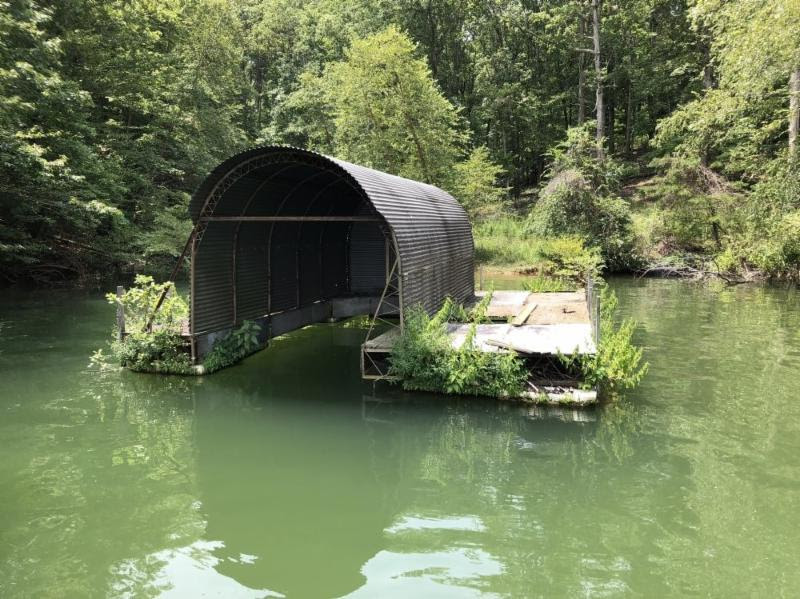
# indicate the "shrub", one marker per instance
pixel 475 185
pixel 580 199
pixel 160 348
pixel 424 360
pixel 697 208
pixel 543 284
pixel 233 347
pixel 156 351
pixel 772 242
pixel 508 242
pixel 617 365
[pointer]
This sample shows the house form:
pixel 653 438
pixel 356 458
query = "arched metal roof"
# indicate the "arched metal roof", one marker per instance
pixel 315 201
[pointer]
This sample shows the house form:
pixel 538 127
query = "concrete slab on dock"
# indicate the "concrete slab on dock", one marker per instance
pixel 536 323
pixel 527 339
pixel 530 324
pixel 550 308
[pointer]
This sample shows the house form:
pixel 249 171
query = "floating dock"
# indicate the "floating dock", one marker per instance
pixel 537 326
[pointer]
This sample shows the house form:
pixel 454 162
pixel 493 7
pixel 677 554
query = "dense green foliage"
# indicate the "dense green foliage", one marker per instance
pixel 423 359
pixel 234 346
pixel 509 242
pixel 617 365
pixel 581 198
pixel 112 112
pixel 159 347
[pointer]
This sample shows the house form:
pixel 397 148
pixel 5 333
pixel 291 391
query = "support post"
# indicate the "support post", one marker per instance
pixel 120 314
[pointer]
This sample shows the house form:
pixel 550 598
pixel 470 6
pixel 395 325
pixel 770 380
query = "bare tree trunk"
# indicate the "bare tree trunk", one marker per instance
pixel 598 73
pixel 610 132
pixel 581 71
pixel 708 77
pixel 629 120
pixel 794 110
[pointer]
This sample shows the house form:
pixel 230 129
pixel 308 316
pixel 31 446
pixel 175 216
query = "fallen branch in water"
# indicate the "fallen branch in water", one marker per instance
pixel 690 272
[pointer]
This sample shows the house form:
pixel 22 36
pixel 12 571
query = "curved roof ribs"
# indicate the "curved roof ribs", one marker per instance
pixel 429 237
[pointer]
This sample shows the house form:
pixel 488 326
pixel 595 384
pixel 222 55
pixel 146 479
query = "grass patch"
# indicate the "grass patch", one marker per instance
pixel 544 284
pixel 507 242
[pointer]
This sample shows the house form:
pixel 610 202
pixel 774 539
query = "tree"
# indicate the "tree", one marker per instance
pixel 386 111
pixel 475 185
pixel 598 84
pixel 756 45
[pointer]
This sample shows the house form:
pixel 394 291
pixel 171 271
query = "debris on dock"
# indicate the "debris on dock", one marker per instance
pixel 537 326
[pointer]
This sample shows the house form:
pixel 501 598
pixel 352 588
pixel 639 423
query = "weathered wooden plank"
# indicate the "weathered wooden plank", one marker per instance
pixel 522 317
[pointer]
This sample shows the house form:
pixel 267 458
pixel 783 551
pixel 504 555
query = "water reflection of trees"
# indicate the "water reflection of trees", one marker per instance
pixel 533 484
pixel 724 361
pixel 103 466
pixel 288 473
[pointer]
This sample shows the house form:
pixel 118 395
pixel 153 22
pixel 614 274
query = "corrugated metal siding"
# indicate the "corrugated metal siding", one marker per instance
pixel 367 258
pixel 283 266
pixel 432 232
pixel 251 271
pixel 213 280
pixel 310 255
pixel 333 244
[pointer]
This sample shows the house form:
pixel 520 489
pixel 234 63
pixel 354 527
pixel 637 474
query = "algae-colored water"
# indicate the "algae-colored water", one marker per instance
pixel 286 475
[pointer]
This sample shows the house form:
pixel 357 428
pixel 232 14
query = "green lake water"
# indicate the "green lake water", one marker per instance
pixel 288 476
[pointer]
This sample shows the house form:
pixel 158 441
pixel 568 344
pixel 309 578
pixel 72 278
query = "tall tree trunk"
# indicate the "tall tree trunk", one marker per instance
pixel 708 84
pixel 794 110
pixel 610 132
pixel 708 76
pixel 629 120
pixel 581 71
pixel 598 73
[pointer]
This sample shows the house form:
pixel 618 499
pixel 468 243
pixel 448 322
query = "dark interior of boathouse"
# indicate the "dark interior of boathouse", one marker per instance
pixel 288 237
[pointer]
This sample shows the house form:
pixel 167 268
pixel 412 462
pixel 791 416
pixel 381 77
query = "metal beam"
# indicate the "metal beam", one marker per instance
pixel 279 219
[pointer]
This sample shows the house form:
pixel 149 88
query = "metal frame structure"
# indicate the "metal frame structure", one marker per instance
pixel 427 242
pixel 390 302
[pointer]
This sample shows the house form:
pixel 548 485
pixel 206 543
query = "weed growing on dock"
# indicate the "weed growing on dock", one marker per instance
pixel 424 360
pixel 233 347
pixel 617 365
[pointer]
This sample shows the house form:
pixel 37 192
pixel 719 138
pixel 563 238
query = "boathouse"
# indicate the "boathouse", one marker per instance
pixel 287 237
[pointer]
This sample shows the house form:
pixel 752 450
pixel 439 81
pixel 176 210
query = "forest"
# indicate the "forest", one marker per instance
pixel 658 135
